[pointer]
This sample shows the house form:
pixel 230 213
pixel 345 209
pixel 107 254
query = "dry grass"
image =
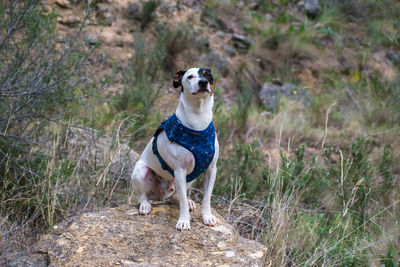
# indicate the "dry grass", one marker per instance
pixel 84 172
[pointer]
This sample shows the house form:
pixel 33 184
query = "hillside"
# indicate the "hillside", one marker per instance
pixel 307 111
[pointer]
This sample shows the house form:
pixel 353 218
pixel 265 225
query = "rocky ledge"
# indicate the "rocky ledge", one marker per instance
pixel 120 236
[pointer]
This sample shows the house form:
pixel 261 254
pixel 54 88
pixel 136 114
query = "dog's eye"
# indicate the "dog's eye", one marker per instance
pixel 190 77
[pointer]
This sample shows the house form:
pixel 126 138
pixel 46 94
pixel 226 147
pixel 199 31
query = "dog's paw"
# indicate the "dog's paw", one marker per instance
pixel 192 205
pixel 210 220
pixel 144 208
pixel 183 224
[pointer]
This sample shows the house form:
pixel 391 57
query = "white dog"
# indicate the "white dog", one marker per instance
pixel 184 146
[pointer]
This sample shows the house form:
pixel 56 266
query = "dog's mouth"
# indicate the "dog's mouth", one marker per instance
pixel 202 89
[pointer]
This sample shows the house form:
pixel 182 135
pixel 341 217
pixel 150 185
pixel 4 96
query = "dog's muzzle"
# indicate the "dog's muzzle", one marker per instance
pixel 203 86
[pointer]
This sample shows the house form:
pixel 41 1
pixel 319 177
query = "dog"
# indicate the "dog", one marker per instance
pixel 183 146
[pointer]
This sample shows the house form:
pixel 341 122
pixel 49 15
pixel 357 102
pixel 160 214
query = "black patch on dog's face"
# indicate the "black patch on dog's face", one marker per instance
pixel 206 73
pixel 178 78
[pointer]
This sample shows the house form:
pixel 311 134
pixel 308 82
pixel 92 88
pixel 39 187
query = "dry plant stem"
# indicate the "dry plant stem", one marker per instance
pixel 326 124
pixel 113 156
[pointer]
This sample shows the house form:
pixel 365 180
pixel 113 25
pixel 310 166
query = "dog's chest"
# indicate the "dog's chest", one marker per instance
pixel 200 143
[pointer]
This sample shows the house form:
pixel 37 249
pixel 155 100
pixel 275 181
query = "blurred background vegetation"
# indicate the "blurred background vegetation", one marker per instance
pixel 307 111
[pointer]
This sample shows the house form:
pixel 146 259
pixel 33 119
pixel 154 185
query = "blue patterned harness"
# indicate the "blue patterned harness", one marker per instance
pixel 199 143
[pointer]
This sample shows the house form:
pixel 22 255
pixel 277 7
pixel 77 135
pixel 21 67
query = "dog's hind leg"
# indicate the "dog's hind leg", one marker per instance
pixel 141 186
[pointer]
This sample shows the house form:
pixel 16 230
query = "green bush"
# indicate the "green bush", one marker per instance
pixel 242 173
pixel 147 14
pixel 38 82
pixel 385 168
pixel 174 39
pixel 140 89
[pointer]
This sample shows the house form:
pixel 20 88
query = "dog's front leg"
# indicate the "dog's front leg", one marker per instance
pixel 208 218
pixel 180 185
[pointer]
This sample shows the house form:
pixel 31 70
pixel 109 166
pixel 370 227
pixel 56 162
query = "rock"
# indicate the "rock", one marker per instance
pixel 69 20
pixel 300 5
pixel 133 10
pixel 120 236
pixel 217 61
pixel 109 19
pixel 221 35
pixel 229 49
pixel 264 64
pixel 277 81
pixel 241 42
pixel 62 39
pixel 63 3
pixel 105 16
pixel 202 42
pixel 91 39
pixel 165 8
pixel 271 92
pixel 393 56
pixel 268 17
pixel 312 8
pixel 214 22
pixel 189 3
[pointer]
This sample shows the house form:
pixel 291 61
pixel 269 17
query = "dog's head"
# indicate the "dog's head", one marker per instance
pixel 196 81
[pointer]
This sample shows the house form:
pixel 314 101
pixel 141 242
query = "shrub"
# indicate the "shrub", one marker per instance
pixel 242 173
pixel 38 81
pixel 140 83
pixel 174 40
pixel 147 14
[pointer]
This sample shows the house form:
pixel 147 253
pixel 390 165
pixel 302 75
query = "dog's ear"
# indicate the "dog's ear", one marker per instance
pixel 207 74
pixel 178 78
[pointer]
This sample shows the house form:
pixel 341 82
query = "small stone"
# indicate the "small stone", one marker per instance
pixel 221 245
pixel 241 42
pixel 271 92
pixel 300 5
pixel 312 8
pixel 109 19
pixel 268 17
pixel 217 23
pixel 393 57
pixel 230 254
pixel 202 42
pixel 219 62
pixel 133 9
pixel 105 16
pixel 73 226
pixel 91 39
pixel 229 49
pixel 189 2
pixel 80 249
pixel 69 20
pixel 63 3
pixel 257 255
pixel 221 35
pixel 277 81
pixel 62 39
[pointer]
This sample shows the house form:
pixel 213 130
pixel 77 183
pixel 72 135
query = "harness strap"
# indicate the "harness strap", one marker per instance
pixel 164 165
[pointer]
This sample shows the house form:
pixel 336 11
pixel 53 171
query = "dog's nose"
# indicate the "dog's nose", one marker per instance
pixel 203 83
